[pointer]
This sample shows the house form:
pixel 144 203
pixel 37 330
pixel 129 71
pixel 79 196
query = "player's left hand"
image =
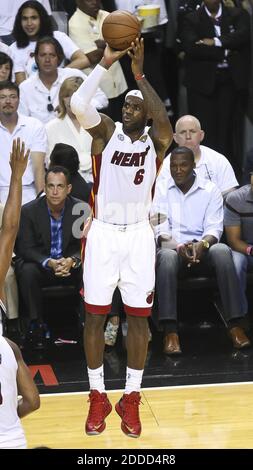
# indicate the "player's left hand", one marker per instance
pixel 136 53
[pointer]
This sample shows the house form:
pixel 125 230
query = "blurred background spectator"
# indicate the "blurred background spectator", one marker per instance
pixel 32 132
pixel 216 42
pixel 32 22
pixel 67 130
pixel 6 66
pixel 66 156
pixel 39 93
pixel 7 17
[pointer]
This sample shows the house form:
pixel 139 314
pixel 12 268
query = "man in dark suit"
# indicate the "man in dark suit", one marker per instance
pixel 216 41
pixel 48 247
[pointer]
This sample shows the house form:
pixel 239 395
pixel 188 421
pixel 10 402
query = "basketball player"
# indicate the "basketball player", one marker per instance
pixel 120 248
pixel 15 377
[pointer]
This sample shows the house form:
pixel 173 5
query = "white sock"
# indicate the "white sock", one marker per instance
pixel 96 379
pixel 133 380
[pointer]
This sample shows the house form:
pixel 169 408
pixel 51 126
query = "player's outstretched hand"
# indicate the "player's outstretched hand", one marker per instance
pixel 136 53
pixel 111 55
pixel 18 158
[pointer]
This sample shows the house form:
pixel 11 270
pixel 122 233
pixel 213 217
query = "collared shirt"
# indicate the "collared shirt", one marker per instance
pixel 193 215
pixel 56 237
pixel 32 132
pixel 35 96
pixel 217 42
pixel 212 166
pixel 238 212
pixel 216 26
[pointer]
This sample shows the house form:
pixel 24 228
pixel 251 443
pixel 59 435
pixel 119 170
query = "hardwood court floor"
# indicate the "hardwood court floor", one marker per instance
pixel 192 417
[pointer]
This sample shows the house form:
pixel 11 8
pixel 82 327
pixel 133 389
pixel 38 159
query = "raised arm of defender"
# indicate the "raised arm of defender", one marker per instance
pixel 18 162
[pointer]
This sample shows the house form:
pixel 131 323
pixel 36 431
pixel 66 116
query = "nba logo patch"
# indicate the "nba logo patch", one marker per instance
pixel 120 137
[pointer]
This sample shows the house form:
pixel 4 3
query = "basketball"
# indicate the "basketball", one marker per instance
pixel 120 28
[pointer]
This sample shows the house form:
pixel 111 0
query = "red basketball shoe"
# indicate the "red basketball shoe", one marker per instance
pixel 100 408
pixel 128 409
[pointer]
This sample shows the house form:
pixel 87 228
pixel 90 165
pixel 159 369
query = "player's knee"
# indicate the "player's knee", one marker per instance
pixel 137 325
pixel 93 321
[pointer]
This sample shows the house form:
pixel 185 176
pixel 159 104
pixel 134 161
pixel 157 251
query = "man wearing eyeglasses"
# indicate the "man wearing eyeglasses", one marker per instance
pixel 31 131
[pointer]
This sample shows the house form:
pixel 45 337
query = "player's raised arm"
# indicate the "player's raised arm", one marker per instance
pixel 11 214
pixel 100 127
pixel 161 130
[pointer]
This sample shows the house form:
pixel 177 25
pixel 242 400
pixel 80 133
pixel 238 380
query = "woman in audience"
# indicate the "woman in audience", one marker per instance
pixel 6 65
pixel 32 22
pixel 65 155
pixel 66 128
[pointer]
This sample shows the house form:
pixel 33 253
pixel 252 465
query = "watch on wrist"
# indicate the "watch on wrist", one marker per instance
pixel 206 244
pixel 76 262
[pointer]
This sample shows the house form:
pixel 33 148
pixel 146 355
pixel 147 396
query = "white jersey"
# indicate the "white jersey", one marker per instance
pixel 11 432
pixel 124 177
pixel 2 318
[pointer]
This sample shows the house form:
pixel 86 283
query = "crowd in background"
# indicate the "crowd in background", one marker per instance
pixel 197 66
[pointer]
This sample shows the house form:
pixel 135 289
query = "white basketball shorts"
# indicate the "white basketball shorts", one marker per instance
pixel 123 256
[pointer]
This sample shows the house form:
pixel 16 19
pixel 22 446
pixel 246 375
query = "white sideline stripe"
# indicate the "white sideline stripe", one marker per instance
pixel 176 387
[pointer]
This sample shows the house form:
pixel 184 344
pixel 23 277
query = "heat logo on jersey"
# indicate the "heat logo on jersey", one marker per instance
pixel 129 159
pixel 150 297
